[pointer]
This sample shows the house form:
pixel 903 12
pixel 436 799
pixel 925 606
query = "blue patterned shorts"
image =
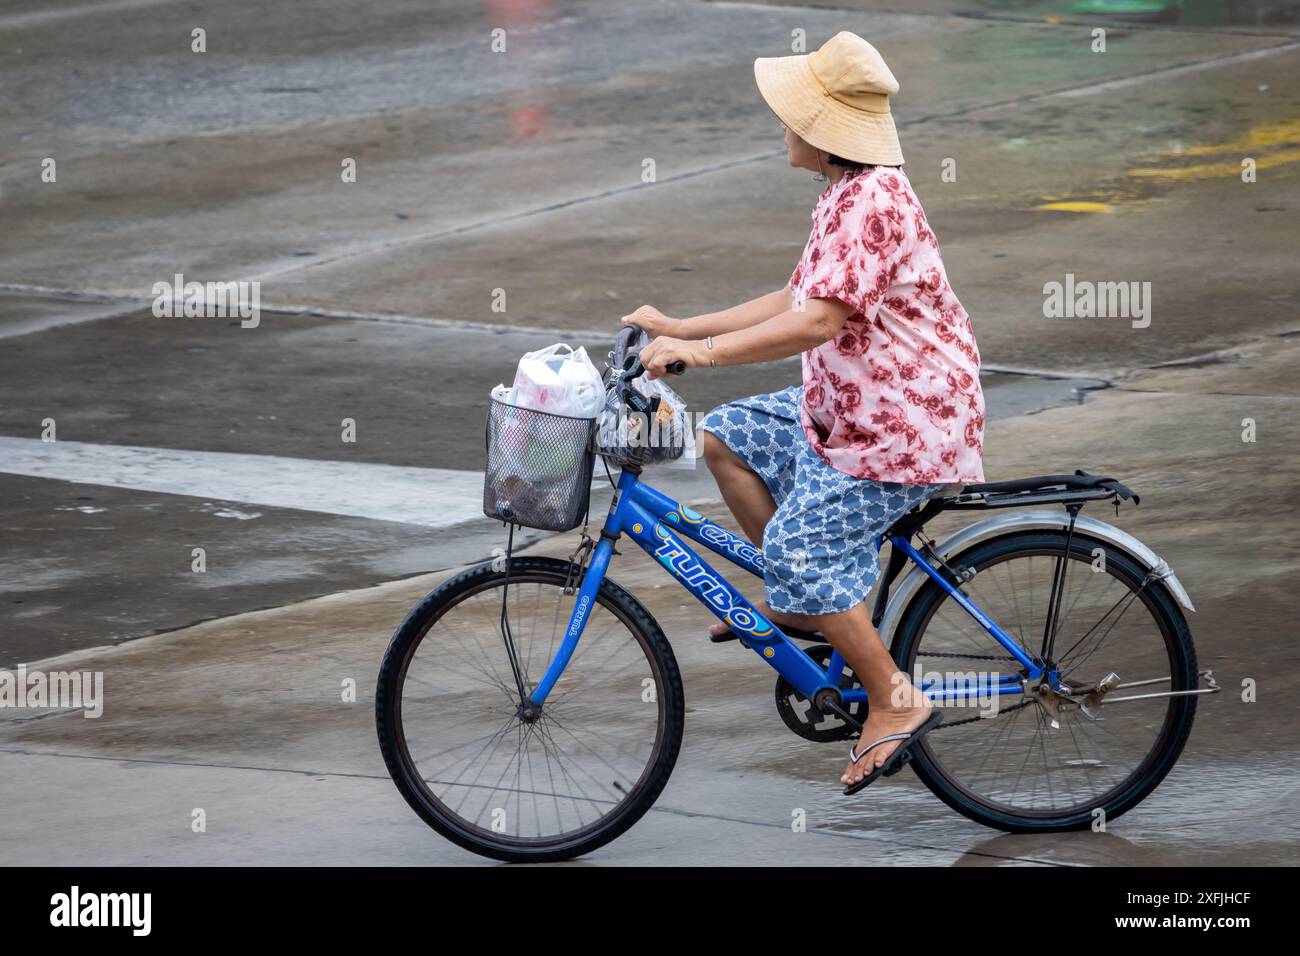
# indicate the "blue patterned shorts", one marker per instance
pixel 822 547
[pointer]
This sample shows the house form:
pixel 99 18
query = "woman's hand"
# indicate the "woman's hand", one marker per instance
pixel 663 351
pixel 654 322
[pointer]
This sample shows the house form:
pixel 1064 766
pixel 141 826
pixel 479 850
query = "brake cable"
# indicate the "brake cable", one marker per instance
pixel 506 636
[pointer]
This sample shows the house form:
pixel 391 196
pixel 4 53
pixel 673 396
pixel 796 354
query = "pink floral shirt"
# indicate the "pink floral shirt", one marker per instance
pixel 895 396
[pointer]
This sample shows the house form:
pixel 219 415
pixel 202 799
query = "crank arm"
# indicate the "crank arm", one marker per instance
pixel 829 704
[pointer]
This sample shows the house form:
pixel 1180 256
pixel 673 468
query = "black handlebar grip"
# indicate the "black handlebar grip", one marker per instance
pixel 634 369
pixel 627 335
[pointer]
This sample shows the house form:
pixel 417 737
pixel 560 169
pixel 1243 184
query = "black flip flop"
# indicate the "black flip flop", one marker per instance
pixel 896 761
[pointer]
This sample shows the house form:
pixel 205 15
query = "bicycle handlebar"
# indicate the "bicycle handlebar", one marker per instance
pixel 628 359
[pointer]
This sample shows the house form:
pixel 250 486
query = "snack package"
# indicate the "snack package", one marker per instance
pixel 668 439
pixel 671 437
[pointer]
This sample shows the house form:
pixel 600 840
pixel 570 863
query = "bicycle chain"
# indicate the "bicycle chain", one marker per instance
pixel 970 720
pixel 977 657
pixel 969 657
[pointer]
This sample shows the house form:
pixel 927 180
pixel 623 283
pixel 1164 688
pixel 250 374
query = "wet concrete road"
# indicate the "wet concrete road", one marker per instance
pixel 522 171
pixel 243 717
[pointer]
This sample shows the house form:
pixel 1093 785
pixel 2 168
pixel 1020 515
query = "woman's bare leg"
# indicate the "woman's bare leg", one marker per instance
pixel 752 504
pixel 743 490
pixel 895 705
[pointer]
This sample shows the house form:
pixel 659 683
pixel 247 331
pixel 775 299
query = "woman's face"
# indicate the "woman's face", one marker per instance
pixel 800 153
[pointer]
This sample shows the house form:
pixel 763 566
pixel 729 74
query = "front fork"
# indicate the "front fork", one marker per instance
pixel 591 582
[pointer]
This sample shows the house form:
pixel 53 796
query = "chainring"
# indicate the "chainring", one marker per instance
pixel 799 715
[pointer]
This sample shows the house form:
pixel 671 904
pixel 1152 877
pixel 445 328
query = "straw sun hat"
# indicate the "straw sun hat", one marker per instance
pixel 836 99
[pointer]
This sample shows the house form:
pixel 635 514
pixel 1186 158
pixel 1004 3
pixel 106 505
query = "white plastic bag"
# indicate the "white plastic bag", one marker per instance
pixel 560 381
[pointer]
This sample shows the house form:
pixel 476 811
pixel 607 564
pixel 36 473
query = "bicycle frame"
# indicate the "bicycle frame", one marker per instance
pixel 657 523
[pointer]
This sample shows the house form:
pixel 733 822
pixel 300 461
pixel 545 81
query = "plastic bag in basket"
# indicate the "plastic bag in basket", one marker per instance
pixel 539 466
pixel 525 439
pixel 558 380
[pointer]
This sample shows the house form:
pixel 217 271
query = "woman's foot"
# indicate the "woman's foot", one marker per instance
pixel 805 622
pixel 902 712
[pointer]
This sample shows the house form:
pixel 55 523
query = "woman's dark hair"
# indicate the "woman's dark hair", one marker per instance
pixel 852 165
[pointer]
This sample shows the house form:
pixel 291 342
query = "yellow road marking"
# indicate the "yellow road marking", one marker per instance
pixel 1285 133
pixel 1255 143
pixel 1073 206
pixel 1192 174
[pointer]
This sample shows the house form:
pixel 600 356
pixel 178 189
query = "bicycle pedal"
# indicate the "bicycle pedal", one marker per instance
pixel 724 637
pixel 903 761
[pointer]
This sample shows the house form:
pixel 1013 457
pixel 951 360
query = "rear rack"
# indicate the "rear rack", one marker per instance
pixel 1070 491
pixel 1044 489
pixel 982 500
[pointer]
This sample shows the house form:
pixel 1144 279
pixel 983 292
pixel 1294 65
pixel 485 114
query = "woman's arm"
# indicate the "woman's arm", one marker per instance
pixel 789 333
pixel 743 316
pixel 713 323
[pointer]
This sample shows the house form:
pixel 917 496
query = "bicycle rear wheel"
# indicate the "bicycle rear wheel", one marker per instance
pixel 1014 771
pixel 516 788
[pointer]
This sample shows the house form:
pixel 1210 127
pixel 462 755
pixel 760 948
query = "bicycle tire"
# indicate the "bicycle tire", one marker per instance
pixel 421 621
pixel 1180 712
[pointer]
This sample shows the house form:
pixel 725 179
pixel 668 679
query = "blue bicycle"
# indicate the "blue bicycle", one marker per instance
pixel 531 709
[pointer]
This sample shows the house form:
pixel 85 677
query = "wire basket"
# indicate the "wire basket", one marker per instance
pixel 539 467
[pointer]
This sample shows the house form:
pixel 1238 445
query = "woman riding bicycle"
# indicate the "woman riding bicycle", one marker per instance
pixel 890 410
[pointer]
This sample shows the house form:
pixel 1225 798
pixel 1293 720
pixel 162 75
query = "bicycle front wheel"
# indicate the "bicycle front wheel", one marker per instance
pixel 516 787
pixel 1035 764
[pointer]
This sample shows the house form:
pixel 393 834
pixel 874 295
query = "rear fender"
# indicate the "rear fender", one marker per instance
pixel 1001 524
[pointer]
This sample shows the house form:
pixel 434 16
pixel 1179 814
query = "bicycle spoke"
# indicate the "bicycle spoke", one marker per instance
pixel 558 773
pixel 1027 765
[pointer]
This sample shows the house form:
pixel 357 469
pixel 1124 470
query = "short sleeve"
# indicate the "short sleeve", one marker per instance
pixel 854 244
